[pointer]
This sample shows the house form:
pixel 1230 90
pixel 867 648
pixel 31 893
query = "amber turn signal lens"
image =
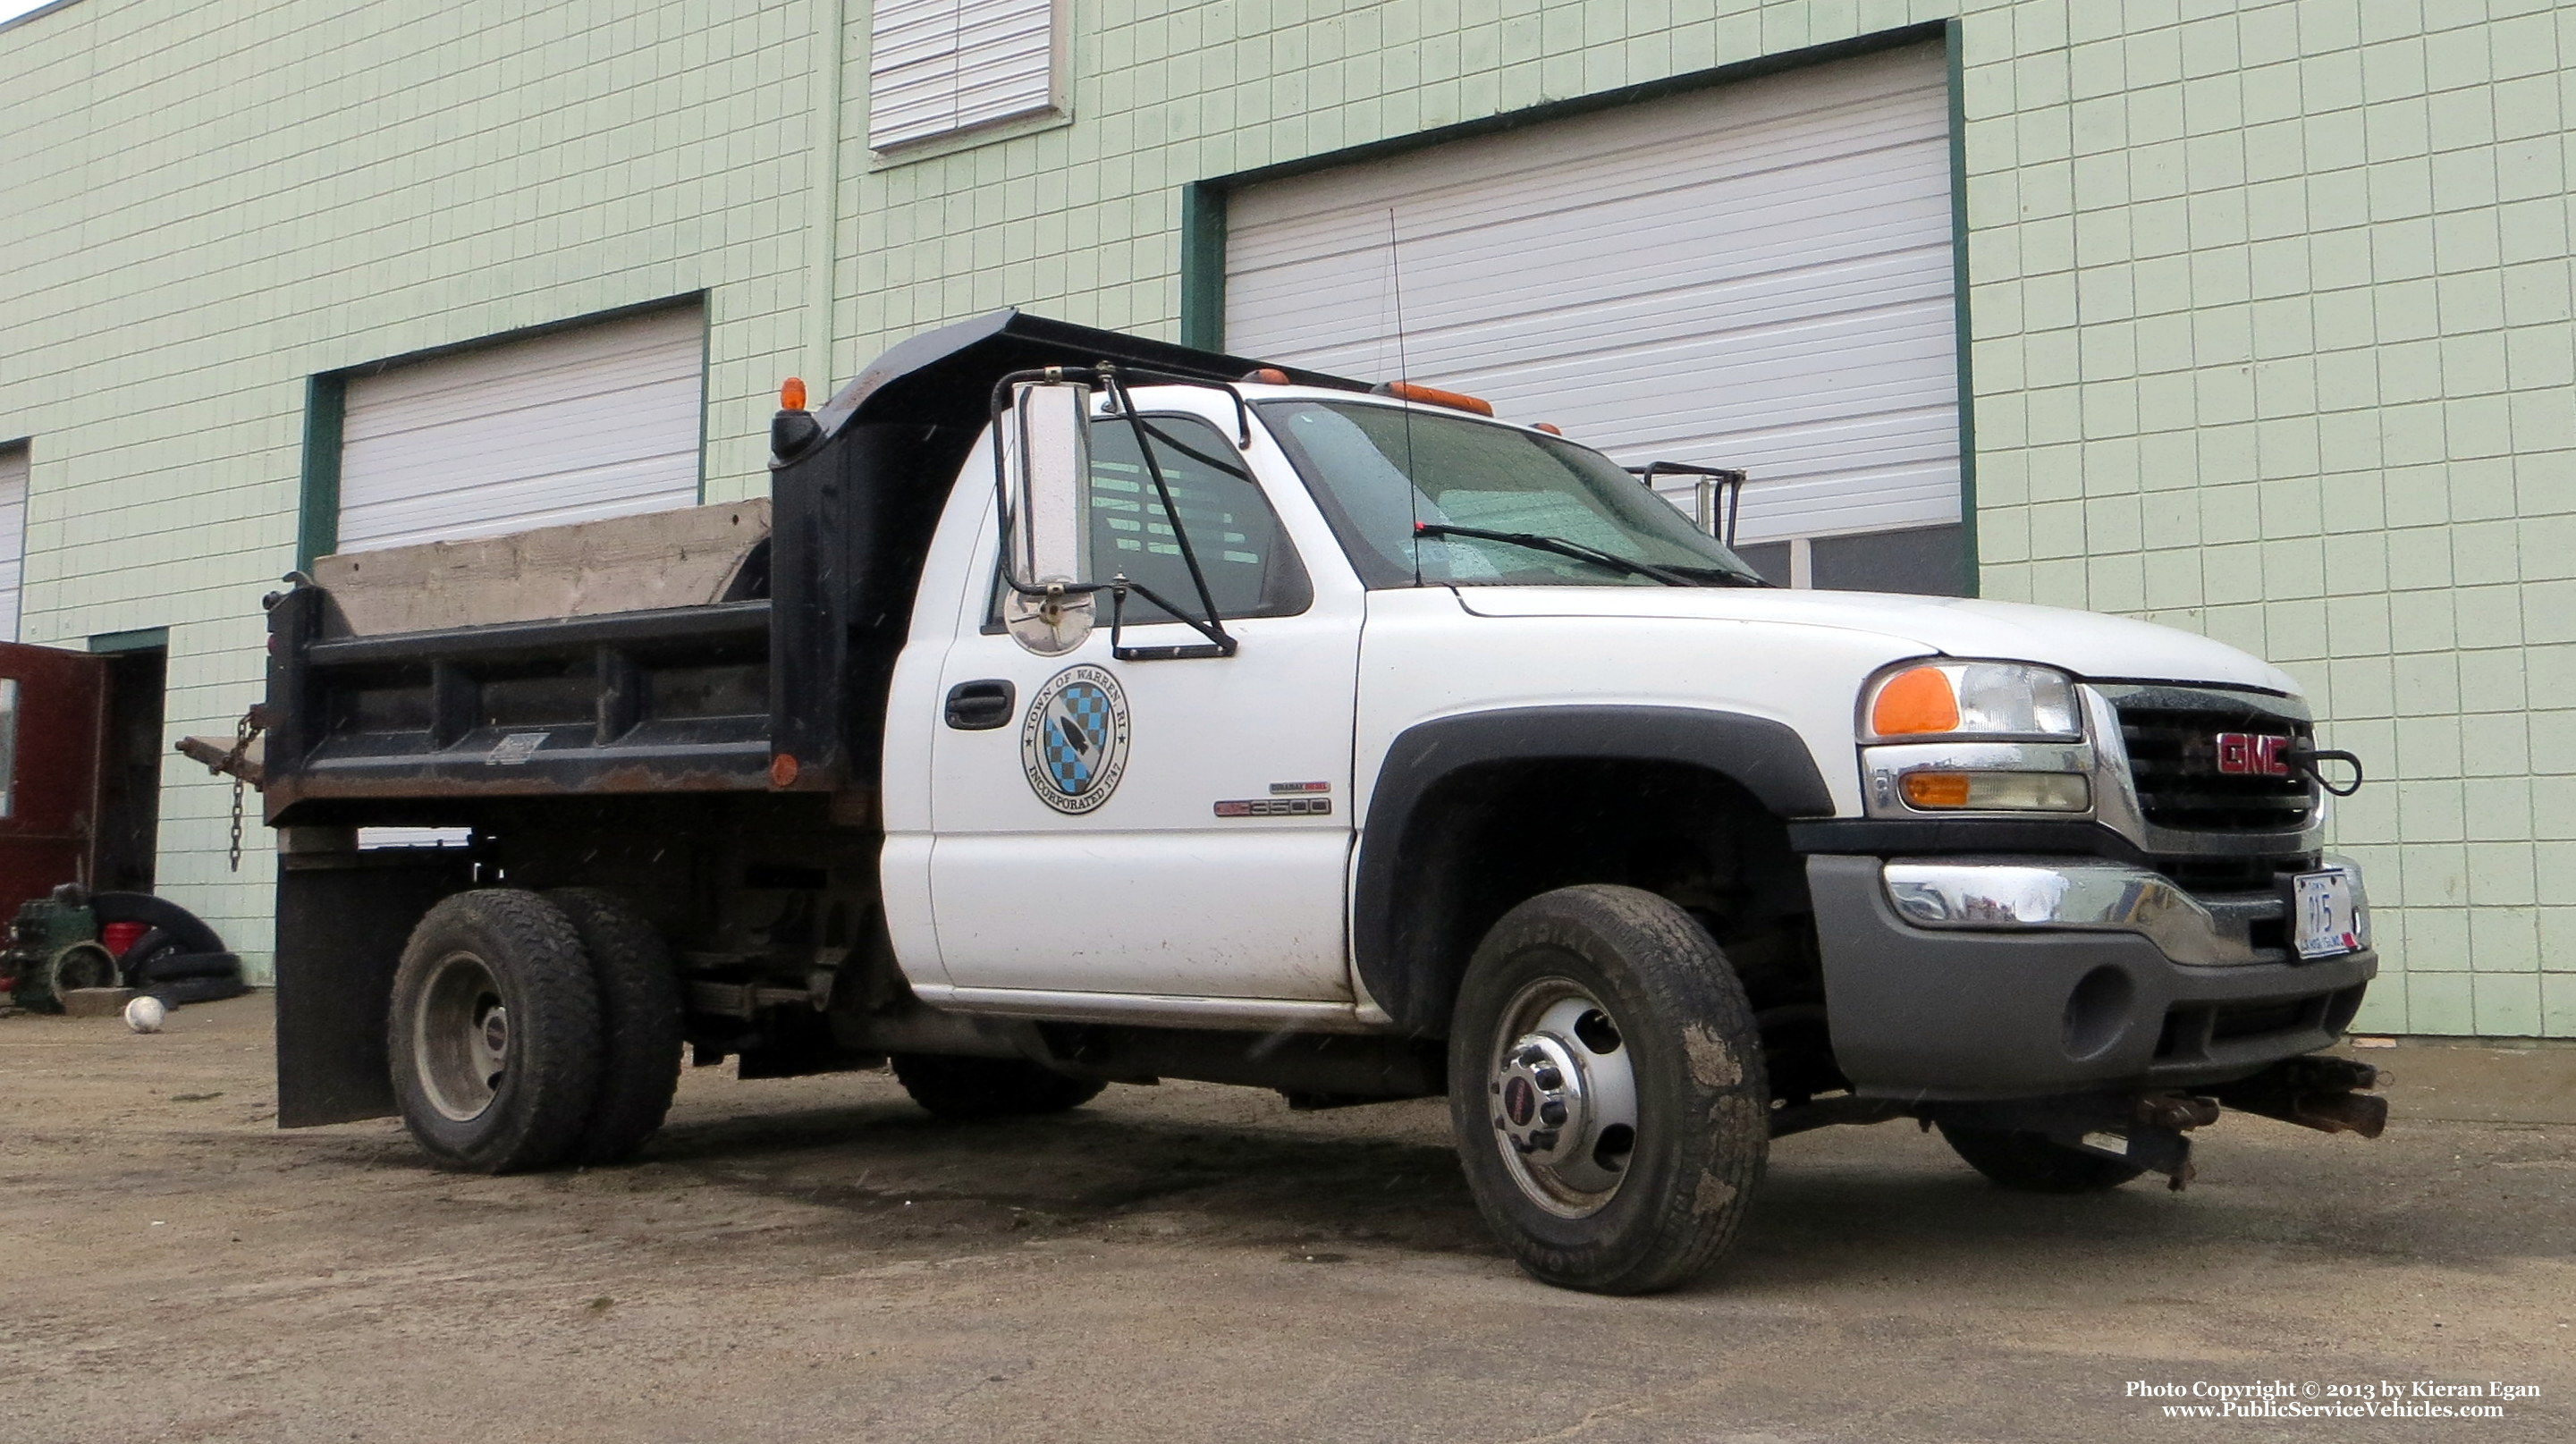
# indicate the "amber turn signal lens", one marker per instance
pixel 791 394
pixel 1935 789
pixel 1915 702
pixel 1997 791
pixel 783 770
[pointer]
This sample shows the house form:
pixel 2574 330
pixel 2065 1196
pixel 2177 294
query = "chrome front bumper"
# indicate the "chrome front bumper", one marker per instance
pixel 2002 894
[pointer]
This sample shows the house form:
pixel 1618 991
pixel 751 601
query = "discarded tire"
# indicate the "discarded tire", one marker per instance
pixel 183 927
pixel 155 943
pixel 198 990
pixel 172 967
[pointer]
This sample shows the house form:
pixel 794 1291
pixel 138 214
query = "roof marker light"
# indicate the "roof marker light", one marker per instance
pixel 791 394
pixel 1434 396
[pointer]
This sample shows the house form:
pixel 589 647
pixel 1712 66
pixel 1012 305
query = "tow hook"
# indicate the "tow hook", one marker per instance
pixel 2157 1142
pixel 2316 1091
pixel 2174 1111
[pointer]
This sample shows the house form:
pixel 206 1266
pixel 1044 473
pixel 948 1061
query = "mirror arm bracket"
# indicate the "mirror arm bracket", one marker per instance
pixel 1213 628
pixel 1219 642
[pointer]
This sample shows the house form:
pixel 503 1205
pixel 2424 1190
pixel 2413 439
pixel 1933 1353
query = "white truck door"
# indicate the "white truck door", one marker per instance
pixel 1161 828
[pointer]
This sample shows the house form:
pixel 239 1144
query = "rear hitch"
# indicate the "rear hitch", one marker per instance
pixel 2315 1091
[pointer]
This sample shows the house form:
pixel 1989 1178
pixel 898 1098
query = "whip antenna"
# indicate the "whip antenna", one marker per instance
pixel 1404 372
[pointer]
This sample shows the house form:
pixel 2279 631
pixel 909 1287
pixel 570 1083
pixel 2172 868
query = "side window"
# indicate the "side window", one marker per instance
pixel 1251 569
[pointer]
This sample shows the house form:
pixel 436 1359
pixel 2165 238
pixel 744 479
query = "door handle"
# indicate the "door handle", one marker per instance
pixel 981 706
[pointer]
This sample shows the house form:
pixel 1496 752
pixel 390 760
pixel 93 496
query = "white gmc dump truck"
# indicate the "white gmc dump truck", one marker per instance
pixel 1081 709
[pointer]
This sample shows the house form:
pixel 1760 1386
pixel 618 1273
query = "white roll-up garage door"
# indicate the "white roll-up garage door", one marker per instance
pixel 570 426
pixel 1756 275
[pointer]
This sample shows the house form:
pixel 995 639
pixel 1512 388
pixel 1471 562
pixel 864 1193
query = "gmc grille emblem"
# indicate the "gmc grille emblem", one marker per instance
pixel 2253 754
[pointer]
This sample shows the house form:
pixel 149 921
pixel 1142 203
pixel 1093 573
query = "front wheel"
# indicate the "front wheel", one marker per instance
pixel 1607 1090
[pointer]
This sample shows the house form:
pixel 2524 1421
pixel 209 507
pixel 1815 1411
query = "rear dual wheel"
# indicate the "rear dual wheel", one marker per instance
pixel 527 1031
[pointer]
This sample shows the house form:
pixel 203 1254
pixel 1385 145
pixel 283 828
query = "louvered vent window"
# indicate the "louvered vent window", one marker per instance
pixel 936 67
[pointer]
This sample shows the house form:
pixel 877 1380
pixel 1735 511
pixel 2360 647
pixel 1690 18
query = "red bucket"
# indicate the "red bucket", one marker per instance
pixel 117 937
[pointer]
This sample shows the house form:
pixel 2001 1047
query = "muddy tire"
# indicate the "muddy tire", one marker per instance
pixel 2032 1163
pixel 965 1088
pixel 494 1033
pixel 1606 1088
pixel 639 1023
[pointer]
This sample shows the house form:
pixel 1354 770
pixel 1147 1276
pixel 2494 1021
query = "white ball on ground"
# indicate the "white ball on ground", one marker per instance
pixel 145 1014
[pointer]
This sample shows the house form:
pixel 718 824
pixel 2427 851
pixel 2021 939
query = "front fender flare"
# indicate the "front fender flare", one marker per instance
pixel 1396 957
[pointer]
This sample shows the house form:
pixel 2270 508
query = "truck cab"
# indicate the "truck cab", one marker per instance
pixel 1134 712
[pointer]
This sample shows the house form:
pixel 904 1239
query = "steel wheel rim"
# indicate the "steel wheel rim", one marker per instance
pixel 1556 1043
pixel 461 1038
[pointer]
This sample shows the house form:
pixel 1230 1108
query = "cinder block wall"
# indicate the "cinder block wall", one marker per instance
pixel 210 202
pixel 2269 305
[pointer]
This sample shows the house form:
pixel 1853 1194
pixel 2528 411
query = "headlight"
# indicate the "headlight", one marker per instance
pixel 1973 699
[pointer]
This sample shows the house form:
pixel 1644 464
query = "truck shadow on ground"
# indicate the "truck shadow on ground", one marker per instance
pixel 890 1164
pixel 894 1175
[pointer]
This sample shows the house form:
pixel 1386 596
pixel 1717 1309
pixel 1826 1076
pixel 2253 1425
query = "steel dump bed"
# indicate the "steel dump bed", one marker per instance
pixel 741 647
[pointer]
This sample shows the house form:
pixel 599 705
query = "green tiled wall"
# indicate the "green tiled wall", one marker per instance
pixel 2270 307
pixel 209 202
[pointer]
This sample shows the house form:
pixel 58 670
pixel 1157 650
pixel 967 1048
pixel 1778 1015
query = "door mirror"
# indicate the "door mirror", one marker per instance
pixel 1046 447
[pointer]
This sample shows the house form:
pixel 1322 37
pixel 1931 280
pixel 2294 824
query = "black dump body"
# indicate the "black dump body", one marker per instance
pixel 401 728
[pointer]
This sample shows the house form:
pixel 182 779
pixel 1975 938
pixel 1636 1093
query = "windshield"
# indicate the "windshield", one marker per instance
pixel 1401 494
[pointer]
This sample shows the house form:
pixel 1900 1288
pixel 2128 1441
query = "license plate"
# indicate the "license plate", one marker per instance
pixel 2323 921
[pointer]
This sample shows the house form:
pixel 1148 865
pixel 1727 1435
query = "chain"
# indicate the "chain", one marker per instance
pixel 243 732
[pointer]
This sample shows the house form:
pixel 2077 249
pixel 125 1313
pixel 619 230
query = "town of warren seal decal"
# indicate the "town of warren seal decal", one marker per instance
pixel 1074 744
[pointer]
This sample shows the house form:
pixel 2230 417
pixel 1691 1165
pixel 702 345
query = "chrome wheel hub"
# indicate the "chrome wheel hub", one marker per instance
pixel 1563 1098
pixel 461 1038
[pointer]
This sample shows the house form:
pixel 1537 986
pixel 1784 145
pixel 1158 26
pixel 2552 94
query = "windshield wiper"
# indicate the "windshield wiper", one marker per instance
pixel 1539 542
pixel 1722 577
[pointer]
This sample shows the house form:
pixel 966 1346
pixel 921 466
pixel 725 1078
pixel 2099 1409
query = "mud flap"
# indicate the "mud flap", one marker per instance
pixel 342 918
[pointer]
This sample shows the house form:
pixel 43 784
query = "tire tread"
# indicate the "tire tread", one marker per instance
pixel 640 1023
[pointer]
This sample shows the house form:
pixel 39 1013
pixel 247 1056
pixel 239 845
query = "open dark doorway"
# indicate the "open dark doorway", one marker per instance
pixel 129 812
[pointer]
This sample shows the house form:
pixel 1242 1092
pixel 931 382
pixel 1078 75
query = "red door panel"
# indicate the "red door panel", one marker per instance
pixel 52 713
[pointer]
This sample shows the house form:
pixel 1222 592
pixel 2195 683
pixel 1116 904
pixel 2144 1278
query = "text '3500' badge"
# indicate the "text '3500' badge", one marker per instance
pixel 1074 744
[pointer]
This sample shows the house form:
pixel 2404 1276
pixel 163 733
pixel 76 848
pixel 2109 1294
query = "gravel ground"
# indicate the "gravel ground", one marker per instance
pixel 816 1259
